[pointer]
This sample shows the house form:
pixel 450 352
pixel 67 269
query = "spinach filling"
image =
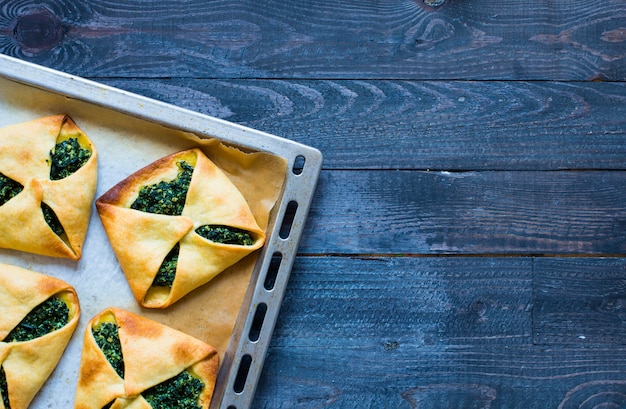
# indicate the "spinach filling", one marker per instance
pixel 167 271
pixel 181 391
pixel 4 390
pixel 8 189
pixel 67 157
pixel 108 339
pixel 48 316
pixel 51 218
pixel 166 198
pixel 225 235
pixel 219 234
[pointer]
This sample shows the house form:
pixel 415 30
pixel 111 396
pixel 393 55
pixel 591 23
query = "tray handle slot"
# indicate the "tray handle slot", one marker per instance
pixel 298 165
pixel 257 322
pixel 242 373
pixel 288 217
pixel 272 271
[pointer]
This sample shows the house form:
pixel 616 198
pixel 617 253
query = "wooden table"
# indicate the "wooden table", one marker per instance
pixel 465 247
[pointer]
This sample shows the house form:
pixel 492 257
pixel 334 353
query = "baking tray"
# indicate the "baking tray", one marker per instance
pixel 28 91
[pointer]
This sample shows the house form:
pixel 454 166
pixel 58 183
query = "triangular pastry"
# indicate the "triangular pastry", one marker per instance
pixel 176 224
pixel 38 315
pixel 48 175
pixel 129 361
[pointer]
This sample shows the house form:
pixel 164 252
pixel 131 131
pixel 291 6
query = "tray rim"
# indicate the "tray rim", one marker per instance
pixel 299 187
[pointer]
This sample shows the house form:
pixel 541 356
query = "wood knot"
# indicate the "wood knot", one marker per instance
pixel 391 345
pixel 430 5
pixel 38 30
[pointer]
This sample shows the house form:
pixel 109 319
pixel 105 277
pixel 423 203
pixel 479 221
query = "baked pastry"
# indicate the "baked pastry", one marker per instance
pixel 48 173
pixel 176 224
pixel 131 361
pixel 38 315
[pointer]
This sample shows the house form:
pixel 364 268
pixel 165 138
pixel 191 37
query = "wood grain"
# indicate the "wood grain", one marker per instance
pixel 431 333
pixel 400 212
pixel 481 39
pixel 412 377
pixel 580 301
pixel 422 125
pixel 381 303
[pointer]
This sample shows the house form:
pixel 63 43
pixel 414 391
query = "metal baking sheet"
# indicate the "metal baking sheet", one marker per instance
pixel 142 129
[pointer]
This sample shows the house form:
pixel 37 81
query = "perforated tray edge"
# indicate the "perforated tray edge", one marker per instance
pixel 245 354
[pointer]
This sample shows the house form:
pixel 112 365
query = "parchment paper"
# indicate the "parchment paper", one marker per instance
pixel 126 144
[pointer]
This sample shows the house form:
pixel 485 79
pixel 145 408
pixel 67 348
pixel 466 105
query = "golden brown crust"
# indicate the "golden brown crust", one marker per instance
pixel 141 240
pixel 25 158
pixel 126 191
pixel 28 364
pixel 152 353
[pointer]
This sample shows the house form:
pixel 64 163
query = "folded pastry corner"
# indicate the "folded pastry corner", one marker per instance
pixel 176 224
pixel 38 315
pixel 132 361
pixel 48 175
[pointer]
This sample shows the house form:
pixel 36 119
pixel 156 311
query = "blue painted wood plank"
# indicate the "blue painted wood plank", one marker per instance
pixel 481 39
pixel 422 125
pixel 516 213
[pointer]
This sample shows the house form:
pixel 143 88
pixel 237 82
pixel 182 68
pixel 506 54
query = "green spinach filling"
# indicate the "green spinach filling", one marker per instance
pixel 167 271
pixel 67 157
pixel 4 390
pixel 166 198
pixel 51 218
pixel 181 391
pixel 108 339
pixel 48 316
pixel 225 235
pixel 8 189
